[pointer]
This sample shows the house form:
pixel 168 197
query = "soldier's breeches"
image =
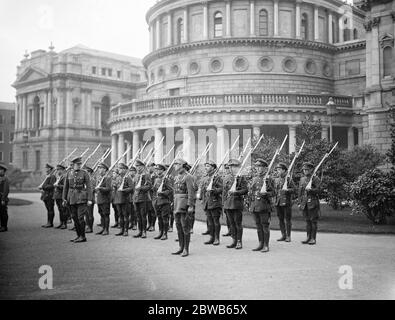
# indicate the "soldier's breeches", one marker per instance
pixel 116 214
pixel 89 216
pixel 151 215
pixel 123 215
pixel 132 214
pixel 78 212
pixel 142 212
pixel 3 216
pixel 311 217
pixel 50 206
pixel 163 213
pixel 104 211
pixel 62 211
pixel 213 221
pixel 236 223
pixel 285 219
pixel 262 221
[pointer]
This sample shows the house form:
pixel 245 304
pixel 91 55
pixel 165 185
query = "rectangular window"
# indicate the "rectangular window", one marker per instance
pixel 1 137
pixel 38 160
pixel 174 92
pixel 11 137
pixel 11 157
pixel 1 119
pixel 12 119
pixel 93 70
pixel 30 118
pixel 119 74
pixel 103 71
pixel 1 156
pixel 352 67
pixel 24 160
pixel 110 72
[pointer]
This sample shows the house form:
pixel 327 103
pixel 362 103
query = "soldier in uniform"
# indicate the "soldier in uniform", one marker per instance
pixel 196 187
pixel 47 190
pixel 58 194
pixel 261 206
pixel 103 197
pixel 162 190
pixel 89 218
pixel 212 202
pixel 233 203
pixel 151 211
pixel 131 208
pixel 309 203
pixel 184 205
pixel 171 217
pixel 77 194
pixel 228 234
pixel 141 197
pixel 4 191
pixel 122 187
pixel 115 176
pixel 283 201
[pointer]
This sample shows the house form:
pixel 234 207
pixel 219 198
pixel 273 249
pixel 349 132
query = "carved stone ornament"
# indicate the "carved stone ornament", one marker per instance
pixel 387 40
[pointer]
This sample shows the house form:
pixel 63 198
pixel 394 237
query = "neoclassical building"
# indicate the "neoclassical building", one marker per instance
pixel 219 69
pixel 64 99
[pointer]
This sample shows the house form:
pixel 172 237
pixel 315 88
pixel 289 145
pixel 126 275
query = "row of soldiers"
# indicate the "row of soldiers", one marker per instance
pixel 134 192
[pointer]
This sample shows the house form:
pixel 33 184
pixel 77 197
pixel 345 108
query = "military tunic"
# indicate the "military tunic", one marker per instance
pixel 47 197
pixel 58 198
pixel 141 199
pixel 103 200
pixel 283 203
pixel 161 202
pixel 121 200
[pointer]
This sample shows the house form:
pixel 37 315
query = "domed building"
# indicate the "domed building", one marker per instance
pixel 220 69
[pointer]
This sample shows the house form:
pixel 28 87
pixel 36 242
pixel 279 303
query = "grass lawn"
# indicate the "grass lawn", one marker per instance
pixel 341 221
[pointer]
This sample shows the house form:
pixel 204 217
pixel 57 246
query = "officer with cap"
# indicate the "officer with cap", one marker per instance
pixel 162 190
pixel 151 211
pixel 211 191
pixel 103 197
pixel 4 191
pixel 58 194
pixel 122 188
pixel 226 173
pixel 233 202
pixel 171 197
pixel 261 206
pixel 131 209
pixel 115 180
pixel 77 193
pixel 188 168
pixel 47 190
pixel 184 205
pixel 142 197
pixel 308 202
pixel 89 218
pixel 283 201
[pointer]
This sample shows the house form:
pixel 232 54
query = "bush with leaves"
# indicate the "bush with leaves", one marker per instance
pixel 16 177
pixel 373 191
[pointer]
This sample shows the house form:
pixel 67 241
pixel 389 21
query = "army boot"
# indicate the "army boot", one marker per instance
pixel 266 238
pixel 239 245
pixel 308 230
pixel 181 242
pixel 283 233
pixel 121 232
pixel 100 232
pixel 187 239
pixel 216 236
pixel 260 238
pixel 233 245
pixel 144 235
pixel 288 237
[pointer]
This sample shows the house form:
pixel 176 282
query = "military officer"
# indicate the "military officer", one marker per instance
pixel 171 217
pixel 184 205
pixel 283 201
pixel 115 177
pixel 261 206
pixel 228 234
pixel 47 189
pixel 233 203
pixel 211 193
pixel 308 202
pixel 4 191
pixel 162 190
pixel 151 211
pixel 58 194
pixel 89 218
pixel 188 168
pixel 103 197
pixel 131 208
pixel 142 197
pixel 77 193
pixel 122 189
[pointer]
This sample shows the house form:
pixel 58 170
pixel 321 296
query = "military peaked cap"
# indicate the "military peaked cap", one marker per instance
pixel 122 166
pixel 211 163
pixel 2 166
pixel 282 165
pixel 160 167
pixel 77 160
pixel 139 163
pixel 308 165
pixel 260 163
pixel 234 163
pixel 103 165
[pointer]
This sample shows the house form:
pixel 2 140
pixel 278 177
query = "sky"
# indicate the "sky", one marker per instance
pixel 117 26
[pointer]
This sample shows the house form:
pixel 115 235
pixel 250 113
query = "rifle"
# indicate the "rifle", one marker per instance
pixel 167 154
pixel 289 173
pixel 245 149
pixel 160 189
pixel 68 157
pixel 103 157
pixel 84 153
pixel 326 156
pixel 205 151
pixel 234 185
pixel 278 151
pixel 210 186
pixel 129 167
pixel 112 167
pixel 56 170
pixel 91 155
pixel 154 150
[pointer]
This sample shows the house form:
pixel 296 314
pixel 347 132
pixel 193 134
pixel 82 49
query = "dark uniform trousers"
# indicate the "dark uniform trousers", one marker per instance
pixel 104 211
pixel 132 215
pixel 142 212
pixel 116 214
pixel 262 221
pixel 311 216
pixel 3 216
pixel 151 215
pixel 50 206
pixel 122 209
pixel 90 216
pixel 63 216
pixel 183 224
pixel 162 212
pixel 171 218
pixel 284 214
pixel 213 222
pixel 235 217
pixel 78 212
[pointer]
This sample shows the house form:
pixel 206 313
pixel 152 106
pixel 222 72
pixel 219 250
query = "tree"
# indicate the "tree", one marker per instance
pixel 391 151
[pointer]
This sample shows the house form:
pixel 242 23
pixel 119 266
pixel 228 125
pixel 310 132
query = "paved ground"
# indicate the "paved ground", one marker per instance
pixel 128 268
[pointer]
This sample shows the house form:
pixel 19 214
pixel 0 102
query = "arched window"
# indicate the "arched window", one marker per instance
pixel 180 31
pixel 387 61
pixel 304 27
pixel 263 23
pixel 218 27
pixel 105 115
pixel 346 31
pixel 355 34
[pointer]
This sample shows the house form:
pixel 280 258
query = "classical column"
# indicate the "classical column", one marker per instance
pixel 121 145
pixel 228 18
pixel 114 148
pixel 252 18
pixel 136 142
pixel 90 119
pixel 350 138
pixel 188 145
pixel 324 133
pixel 297 19
pixel 275 18
pixel 360 136
pixel 17 110
pixel 49 103
pixel 158 35
pixel 60 106
pixel 316 25
pixel 220 143
pixel 185 25
pixel 158 145
pixel 169 30
pixel 341 39
pixel 330 28
pixel 292 139
pixel 128 146
pixel 24 112
pixel 205 20
pixel 151 38
pixel 45 111
pixel 69 106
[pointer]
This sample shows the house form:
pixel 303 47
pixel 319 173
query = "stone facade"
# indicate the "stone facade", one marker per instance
pixel 220 69
pixel 64 100
pixel 7 123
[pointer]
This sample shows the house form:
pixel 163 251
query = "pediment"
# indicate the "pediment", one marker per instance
pixel 31 74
